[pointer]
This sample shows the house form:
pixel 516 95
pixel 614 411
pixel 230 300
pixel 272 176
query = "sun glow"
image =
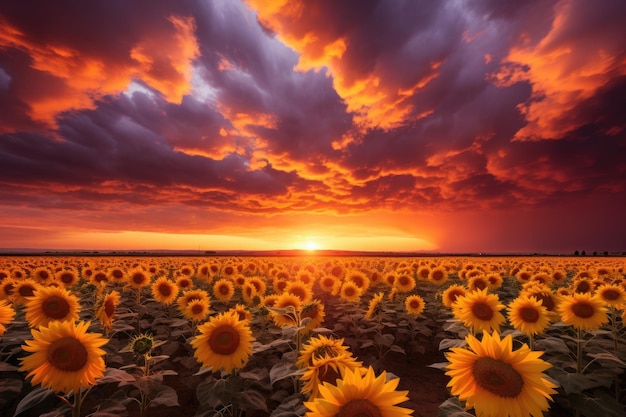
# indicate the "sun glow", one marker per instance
pixel 311 246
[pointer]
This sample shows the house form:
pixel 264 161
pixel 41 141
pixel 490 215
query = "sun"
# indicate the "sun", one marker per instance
pixel 311 246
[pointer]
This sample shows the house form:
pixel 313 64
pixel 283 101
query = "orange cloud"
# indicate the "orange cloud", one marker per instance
pixel 375 99
pixel 76 79
pixel 564 71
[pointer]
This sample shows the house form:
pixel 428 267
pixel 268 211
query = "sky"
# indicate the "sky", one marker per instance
pixel 387 125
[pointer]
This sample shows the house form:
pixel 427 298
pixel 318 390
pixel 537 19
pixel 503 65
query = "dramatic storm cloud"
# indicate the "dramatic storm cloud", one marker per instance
pixel 390 125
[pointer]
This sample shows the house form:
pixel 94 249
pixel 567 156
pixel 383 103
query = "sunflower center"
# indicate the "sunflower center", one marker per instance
pixel 414 304
pixel 583 310
pixel 437 276
pixel 26 291
pixel 165 290
pixel 224 340
pixel 529 314
pixel 497 377
pixel 328 374
pixel 67 278
pixel 197 309
pixel 480 284
pixel 610 295
pixel 117 274
pixel 109 307
pixel 359 408
pixel 55 307
pixel 224 290
pixel 482 311
pixel 67 354
pixel 139 278
pixel 583 286
pixel 44 275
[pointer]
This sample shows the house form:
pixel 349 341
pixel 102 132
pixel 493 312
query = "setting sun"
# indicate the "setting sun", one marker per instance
pixel 310 245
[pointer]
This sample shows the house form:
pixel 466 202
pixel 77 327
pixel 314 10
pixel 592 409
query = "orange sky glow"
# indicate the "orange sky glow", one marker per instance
pixel 255 125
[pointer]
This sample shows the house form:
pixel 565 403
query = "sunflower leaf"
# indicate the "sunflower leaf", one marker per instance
pixel 36 396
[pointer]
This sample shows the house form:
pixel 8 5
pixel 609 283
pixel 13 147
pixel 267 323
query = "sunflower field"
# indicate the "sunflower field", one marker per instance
pixel 315 336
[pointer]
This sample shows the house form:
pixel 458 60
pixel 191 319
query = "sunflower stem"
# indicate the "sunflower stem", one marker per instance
pixel 579 351
pixel 531 341
pixel 78 402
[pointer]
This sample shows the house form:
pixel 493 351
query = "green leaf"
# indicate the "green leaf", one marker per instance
pixel 284 370
pixel 291 406
pixel 396 348
pixel 452 407
pixel 450 343
pixel 600 404
pixel 165 397
pixel 607 357
pixel 439 365
pixel 252 400
pixel 33 398
pixel 116 375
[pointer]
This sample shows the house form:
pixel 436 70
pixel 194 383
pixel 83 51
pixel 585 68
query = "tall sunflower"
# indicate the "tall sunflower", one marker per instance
pixel 438 275
pixel 312 315
pixel 583 311
pixel 67 277
pixel 414 305
pixel 374 306
pixel 24 289
pixel 139 278
pixel 528 315
pixel 479 310
pixel 64 356
pixel 349 292
pixel 106 312
pixel 326 369
pixel 405 282
pixel 359 393
pixel 318 346
pixel 497 381
pixel 6 315
pixel 164 291
pixel 300 290
pixel 196 310
pixel 224 342
pixel 612 294
pixel 49 304
pixel 224 289
pixel 283 301
pixel 452 293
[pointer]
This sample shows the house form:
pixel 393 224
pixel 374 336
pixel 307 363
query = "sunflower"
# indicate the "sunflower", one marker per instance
pixel 479 310
pixel 350 292
pixel 438 275
pixel 549 299
pixel 452 293
pixel 374 307
pixel 414 305
pixel 477 282
pixel 224 289
pixel 50 304
pixel 64 357
pixel 18 273
pixel 612 294
pixel 318 346
pixel 359 278
pixel 359 393
pixel 528 315
pixel 389 278
pixel 300 290
pixel 305 277
pixel 583 311
pixel 6 315
pixel 283 301
pixel 326 369
pixel 259 285
pixel 497 381
pixel 495 280
pixel 106 312
pixel 99 278
pixel 404 282
pixel 582 285
pixel 67 277
pixel 204 272
pixel 184 283
pixel 196 310
pixel 23 289
pixel 329 284
pixel 189 295
pixel 423 272
pixel 312 315
pixel 164 290
pixel 117 275
pixel 224 342
pixel 248 293
pixel 7 288
pixel 242 312
pixel 138 278
pixel 42 275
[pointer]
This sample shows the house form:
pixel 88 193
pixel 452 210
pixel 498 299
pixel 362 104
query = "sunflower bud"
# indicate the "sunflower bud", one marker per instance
pixel 142 344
